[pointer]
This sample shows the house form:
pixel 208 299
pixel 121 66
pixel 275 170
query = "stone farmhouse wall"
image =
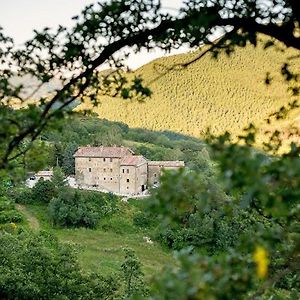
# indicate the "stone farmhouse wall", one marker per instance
pixel 99 171
pixel 117 170
pixel 133 179
pixel 155 169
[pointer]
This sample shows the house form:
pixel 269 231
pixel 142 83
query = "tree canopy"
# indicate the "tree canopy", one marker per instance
pixel 100 35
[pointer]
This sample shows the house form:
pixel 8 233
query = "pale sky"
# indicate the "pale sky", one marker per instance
pixel 20 17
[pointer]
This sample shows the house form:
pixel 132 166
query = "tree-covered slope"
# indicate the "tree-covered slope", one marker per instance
pixel 224 93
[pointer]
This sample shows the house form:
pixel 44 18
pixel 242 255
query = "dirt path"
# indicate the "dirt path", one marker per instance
pixel 32 220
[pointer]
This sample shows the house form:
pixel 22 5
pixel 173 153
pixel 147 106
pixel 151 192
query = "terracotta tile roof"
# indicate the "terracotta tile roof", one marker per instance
pixel 133 160
pixel 171 163
pixel 118 152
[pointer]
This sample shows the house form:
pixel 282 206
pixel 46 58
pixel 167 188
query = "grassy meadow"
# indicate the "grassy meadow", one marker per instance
pixel 226 93
pixel 101 249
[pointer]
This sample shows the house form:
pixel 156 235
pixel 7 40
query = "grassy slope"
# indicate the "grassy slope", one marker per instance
pixel 224 94
pixel 101 249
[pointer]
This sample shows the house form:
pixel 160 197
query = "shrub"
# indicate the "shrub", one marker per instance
pixel 133 276
pixel 39 267
pixel 104 204
pixel 5 204
pixel 43 191
pixel 8 213
pixel 22 195
pixel 70 209
pixel 10 216
pixel 143 219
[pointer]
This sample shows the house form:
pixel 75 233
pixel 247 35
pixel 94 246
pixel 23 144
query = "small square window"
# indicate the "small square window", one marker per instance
pixel 104 159
pixel 127 180
pixel 90 169
pixel 123 170
pixel 111 170
pixel 110 178
pixel 104 178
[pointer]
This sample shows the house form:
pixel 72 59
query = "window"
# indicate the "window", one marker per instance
pixel 110 178
pixel 154 175
pixel 90 159
pixel 111 170
pixel 127 170
pixel 104 178
pixel 90 169
pixel 127 180
pixel 123 170
pixel 104 170
pixel 111 159
pixel 104 159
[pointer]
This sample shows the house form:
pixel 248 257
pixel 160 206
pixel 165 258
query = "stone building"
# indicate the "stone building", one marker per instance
pixel 44 175
pixel 118 170
pixel 155 169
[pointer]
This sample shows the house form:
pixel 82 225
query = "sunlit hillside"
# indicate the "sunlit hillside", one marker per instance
pixel 223 94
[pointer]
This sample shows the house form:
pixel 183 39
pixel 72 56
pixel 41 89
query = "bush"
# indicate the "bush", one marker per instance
pixel 9 228
pixel 22 195
pixel 5 204
pixel 70 209
pixel 43 191
pixel 143 219
pixel 133 276
pixel 8 213
pixel 105 204
pixel 39 267
pixel 10 216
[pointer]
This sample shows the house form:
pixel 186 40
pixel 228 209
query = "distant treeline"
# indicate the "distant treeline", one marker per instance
pixel 154 145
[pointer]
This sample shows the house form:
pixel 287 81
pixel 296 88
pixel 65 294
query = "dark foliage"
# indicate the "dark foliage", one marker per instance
pixel 40 267
pixel 83 131
pixel 73 208
pixel 8 212
pixel 21 195
pixel 144 219
pixel 44 191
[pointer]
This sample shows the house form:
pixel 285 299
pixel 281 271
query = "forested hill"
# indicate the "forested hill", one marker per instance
pixel 164 145
pixel 224 94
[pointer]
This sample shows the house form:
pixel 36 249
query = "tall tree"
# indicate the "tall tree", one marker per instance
pixel 103 29
pixel 68 162
pixel 132 274
pixel 58 178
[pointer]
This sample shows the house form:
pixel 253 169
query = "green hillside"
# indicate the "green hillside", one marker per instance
pixel 223 94
pixel 102 249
